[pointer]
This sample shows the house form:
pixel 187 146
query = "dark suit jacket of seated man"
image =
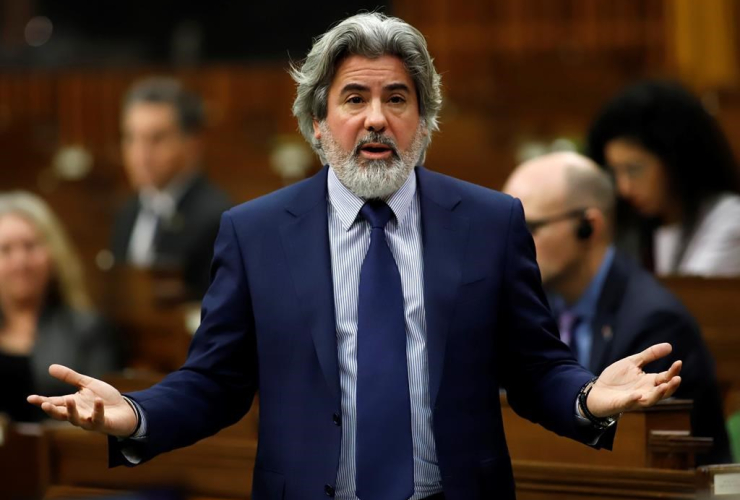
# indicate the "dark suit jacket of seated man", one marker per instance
pixel 378 307
pixel 609 307
pixel 633 312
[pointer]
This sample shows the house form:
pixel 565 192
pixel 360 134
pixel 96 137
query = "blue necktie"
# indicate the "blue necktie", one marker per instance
pixel 385 455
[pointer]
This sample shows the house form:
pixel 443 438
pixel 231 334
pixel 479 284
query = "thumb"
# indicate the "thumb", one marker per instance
pixel 69 376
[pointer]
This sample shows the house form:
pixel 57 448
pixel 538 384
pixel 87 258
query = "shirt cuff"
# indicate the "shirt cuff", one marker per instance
pixel 140 432
pixel 129 452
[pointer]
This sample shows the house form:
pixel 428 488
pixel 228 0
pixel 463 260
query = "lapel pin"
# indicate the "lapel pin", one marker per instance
pixel 606 333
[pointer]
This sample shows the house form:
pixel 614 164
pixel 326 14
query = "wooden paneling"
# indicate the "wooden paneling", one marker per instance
pixel 715 303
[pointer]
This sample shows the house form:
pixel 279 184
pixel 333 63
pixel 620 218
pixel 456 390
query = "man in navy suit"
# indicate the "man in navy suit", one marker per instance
pixel 609 307
pixel 378 307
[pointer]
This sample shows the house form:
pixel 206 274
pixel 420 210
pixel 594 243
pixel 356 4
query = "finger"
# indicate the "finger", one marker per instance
pixel 39 400
pixel 72 415
pixel 69 376
pixel 652 353
pixel 668 375
pixel 673 385
pixel 651 397
pixel 660 392
pixel 98 416
pixel 55 412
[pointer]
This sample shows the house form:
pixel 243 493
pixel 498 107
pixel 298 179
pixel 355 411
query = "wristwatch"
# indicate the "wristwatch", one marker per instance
pixel 601 423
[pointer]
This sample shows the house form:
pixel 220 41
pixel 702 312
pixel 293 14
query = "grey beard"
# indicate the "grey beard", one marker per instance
pixel 369 179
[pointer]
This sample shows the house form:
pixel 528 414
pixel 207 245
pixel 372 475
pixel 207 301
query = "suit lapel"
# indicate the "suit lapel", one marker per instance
pixel 603 324
pixel 306 242
pixel 444 234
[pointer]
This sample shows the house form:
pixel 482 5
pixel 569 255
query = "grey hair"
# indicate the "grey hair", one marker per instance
pixel 164 90
pixel 370 35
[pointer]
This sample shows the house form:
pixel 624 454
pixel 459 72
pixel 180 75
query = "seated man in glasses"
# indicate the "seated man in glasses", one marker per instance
pixel 606 305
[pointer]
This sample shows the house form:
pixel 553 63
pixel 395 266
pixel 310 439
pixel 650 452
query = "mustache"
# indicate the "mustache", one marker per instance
pixel 376 138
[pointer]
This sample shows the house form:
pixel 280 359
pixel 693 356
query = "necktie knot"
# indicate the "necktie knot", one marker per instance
pixel 377 213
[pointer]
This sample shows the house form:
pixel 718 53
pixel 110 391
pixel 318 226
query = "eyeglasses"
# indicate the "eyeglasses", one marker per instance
pixel 534 225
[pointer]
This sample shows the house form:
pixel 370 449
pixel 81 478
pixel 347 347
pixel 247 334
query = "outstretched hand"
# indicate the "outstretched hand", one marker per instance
pixel 624 386
pixel 96 406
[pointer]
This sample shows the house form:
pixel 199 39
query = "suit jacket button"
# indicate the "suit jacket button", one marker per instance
pixel 329 489
pixel 337 419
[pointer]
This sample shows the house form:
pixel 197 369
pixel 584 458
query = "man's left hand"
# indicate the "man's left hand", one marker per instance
pixel 623 386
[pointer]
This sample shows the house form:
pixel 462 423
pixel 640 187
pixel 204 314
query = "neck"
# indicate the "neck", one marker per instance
pixel 575 286
pixel 181 177
pixel 20 311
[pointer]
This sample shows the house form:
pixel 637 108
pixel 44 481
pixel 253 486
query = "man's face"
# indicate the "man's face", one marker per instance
pixel 372 135
pixel 154 148
pixel 559 252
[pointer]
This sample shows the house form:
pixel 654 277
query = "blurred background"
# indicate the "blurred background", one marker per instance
pixel 520 78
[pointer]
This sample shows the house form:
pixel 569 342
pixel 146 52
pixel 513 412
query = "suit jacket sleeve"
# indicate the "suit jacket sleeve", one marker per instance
pixel 216 386
pixel 538 371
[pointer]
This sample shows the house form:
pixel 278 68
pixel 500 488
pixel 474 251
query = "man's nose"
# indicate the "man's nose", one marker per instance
pixel 375 120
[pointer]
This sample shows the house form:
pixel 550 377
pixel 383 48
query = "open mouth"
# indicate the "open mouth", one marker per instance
pixel 376 150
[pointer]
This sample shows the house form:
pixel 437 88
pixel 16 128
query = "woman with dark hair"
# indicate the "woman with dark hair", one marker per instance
pixel 676 175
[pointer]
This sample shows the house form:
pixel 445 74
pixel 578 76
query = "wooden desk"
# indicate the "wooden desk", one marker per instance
pixel 219 467
pixel 24 460
pixel 638 443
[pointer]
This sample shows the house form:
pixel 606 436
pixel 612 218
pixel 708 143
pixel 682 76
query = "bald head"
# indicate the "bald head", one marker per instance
pixel 563 193
pixel 558 182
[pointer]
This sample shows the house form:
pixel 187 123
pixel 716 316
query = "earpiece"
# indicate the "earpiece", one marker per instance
pixel 584 229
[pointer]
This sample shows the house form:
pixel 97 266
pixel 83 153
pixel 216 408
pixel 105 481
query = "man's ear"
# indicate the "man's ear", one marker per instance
pixel 598 222
pixel 316 130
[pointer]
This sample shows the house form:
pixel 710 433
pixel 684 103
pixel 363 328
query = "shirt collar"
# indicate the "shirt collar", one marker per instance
pixel 348 205
pixel 589 300
pixel 164 202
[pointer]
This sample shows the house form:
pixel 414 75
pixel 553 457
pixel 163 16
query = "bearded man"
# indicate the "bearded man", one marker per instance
pixel 378 307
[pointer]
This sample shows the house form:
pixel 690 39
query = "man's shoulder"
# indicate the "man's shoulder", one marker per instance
pixel 474 196
pixel 205 196
pixel 299 196
pixel 645 296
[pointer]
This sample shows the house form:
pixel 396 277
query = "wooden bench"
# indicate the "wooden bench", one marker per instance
pixel 715 303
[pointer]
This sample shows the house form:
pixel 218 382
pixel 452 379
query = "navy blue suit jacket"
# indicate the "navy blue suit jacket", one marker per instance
pixel 635 312
pixel 268 325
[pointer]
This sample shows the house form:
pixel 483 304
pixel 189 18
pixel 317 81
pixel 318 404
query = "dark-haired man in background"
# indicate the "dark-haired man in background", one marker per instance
pixel 173 218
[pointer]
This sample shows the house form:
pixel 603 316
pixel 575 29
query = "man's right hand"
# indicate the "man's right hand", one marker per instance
pixel 96 406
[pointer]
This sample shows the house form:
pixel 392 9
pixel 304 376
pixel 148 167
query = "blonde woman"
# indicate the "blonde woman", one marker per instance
pixel 45 311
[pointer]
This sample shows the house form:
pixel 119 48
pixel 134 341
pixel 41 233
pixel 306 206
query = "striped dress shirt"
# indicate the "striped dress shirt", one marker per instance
pixel 349 238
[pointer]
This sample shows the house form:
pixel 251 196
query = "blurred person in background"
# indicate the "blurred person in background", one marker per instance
pixel 377 307
pixel 607 306
pixel 677 175
pixel 46 315
pixel 173 218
